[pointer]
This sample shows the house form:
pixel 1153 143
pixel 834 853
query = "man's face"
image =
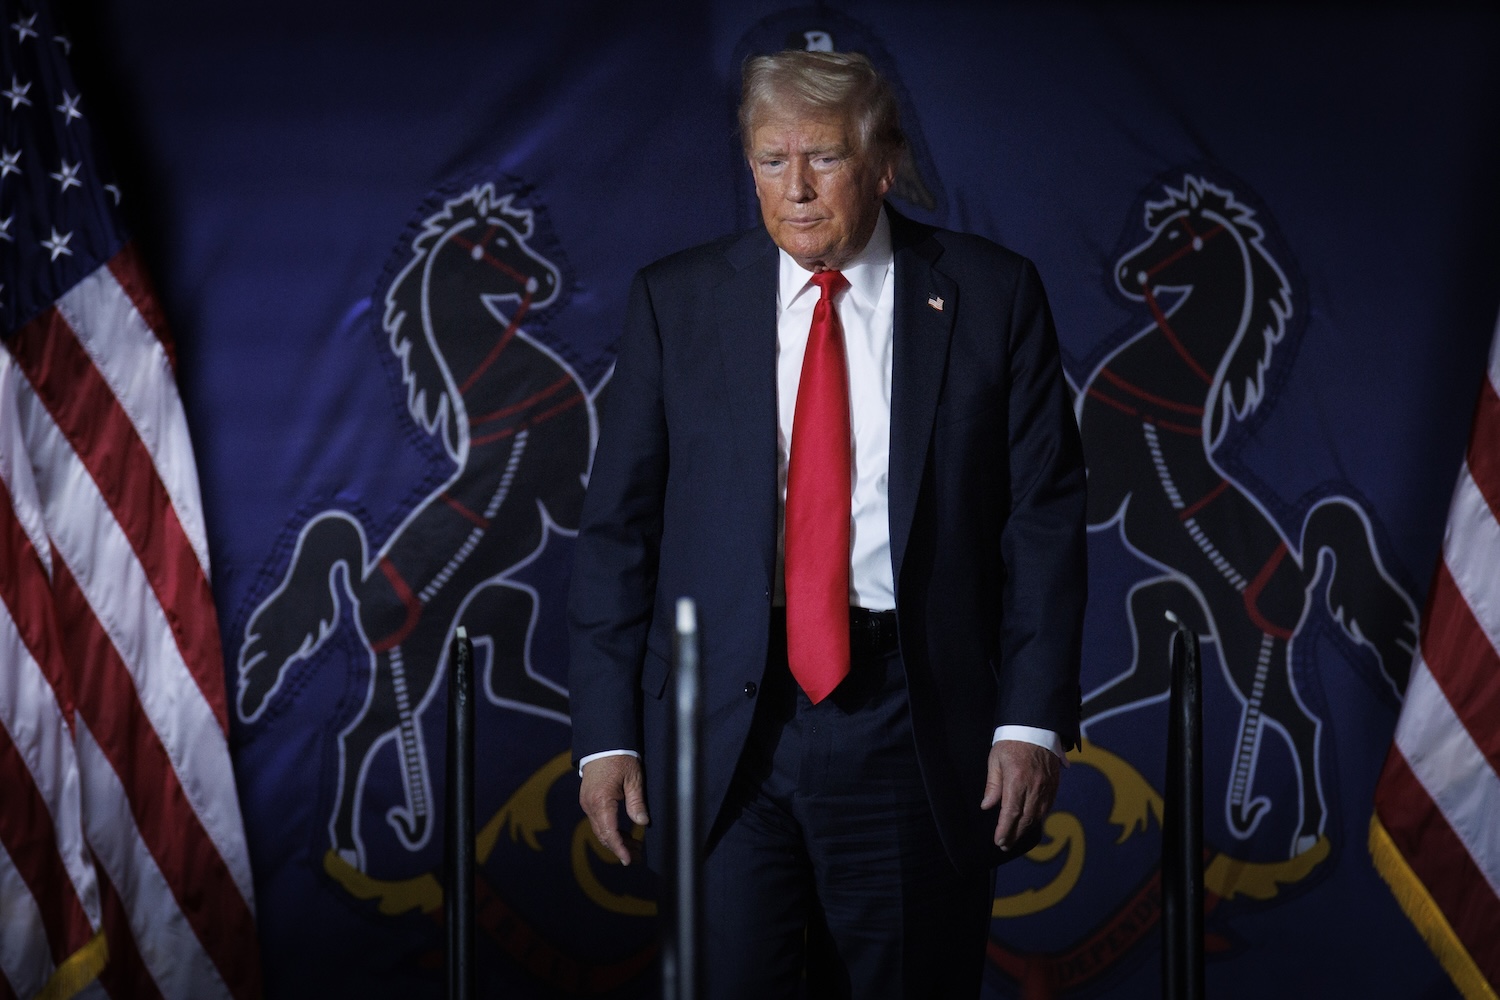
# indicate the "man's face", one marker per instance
pixel 819 193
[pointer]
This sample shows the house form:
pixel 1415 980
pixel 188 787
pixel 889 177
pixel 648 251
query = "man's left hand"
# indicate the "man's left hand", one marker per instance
pixel 1023 781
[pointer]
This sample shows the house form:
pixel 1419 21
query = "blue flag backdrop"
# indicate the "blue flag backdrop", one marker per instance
pixel 395 242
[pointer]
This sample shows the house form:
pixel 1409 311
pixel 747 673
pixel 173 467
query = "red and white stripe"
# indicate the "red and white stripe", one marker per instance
pixel 106 434
pixel 1436 832
pixel 49 899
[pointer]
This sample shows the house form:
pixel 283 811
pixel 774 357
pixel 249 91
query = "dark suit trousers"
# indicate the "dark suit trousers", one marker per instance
pixel 824 875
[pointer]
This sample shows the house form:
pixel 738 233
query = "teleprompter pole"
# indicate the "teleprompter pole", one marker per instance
pixel 681 954
pixel 1182 825
pixel 458 848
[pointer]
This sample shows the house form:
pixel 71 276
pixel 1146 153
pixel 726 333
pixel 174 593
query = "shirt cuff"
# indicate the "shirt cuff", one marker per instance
pixel 1029 734
pixel 631 753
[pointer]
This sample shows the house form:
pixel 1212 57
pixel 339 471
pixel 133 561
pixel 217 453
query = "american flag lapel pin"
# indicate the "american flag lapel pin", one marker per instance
pixel 935 302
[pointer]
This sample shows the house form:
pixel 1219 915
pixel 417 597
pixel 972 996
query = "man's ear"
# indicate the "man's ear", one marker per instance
pixel 888 168
pixel 754 180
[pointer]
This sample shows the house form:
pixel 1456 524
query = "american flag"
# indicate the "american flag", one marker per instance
pixel 1435 836
pixel 113 725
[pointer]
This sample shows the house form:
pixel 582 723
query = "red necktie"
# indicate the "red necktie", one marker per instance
pixel 818 506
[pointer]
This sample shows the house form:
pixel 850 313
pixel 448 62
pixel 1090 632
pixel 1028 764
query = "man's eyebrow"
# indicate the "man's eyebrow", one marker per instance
pixel 837 149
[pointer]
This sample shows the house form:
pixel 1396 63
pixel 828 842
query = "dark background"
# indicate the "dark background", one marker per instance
pixel 272 155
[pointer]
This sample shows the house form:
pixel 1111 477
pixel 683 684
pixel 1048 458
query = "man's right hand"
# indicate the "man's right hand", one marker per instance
pixel 607 781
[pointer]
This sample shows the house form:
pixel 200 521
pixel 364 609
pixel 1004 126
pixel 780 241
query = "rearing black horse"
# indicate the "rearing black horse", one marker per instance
pixel 1152 416
pixel 519 428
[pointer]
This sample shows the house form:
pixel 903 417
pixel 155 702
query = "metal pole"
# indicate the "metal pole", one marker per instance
pixel 1182 825
pixel 680 952
pixel 458 851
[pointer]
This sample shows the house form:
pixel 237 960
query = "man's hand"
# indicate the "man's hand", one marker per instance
pixel 606 782
pixel 1023 780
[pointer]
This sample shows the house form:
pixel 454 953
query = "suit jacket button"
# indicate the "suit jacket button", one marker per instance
pixel 749 689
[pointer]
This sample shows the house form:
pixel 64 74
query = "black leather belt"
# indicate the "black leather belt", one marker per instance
pixel 872 634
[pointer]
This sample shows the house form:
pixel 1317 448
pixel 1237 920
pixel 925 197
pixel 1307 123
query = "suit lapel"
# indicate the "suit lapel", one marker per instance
pixel 746 310
pixel 926 301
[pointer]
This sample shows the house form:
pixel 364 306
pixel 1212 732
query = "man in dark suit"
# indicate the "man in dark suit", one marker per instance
pixel 847 436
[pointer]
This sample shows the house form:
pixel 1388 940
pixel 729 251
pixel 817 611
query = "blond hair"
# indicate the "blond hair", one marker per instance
pixel 842 83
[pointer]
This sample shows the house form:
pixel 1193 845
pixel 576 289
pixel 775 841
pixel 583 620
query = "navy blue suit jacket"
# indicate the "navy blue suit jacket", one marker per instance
pixel 986 492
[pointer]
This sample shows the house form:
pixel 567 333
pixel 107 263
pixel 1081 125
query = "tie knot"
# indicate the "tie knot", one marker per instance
pixel 831 282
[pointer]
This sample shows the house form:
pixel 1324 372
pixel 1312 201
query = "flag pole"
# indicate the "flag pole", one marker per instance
pixel 681 948
pixel 1182 824
pixel 458 854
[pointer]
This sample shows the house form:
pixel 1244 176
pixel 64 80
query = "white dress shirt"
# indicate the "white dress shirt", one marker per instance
pixel 866 311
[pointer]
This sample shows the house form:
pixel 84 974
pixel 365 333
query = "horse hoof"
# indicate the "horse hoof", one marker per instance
pixel 1245 817
pixel 1304 843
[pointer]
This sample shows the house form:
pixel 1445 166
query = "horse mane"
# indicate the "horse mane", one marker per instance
pixel 431 396
pixel 1240 382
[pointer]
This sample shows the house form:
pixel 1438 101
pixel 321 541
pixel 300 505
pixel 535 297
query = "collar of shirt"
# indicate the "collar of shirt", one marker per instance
pixel 866 273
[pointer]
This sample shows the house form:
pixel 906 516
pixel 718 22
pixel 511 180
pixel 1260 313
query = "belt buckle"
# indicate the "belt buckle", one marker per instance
pixel 869 632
